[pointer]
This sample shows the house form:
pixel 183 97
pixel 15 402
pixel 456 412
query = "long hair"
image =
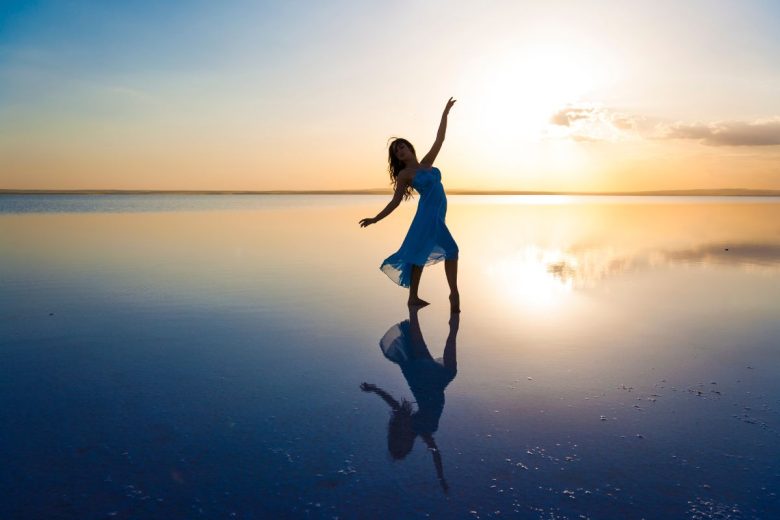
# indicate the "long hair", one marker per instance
pixel 400 435
pixel 395 165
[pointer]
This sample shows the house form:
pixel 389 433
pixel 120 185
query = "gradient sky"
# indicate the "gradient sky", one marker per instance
pixel 596 95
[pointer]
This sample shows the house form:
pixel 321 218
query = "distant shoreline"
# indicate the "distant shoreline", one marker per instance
pixel 654 193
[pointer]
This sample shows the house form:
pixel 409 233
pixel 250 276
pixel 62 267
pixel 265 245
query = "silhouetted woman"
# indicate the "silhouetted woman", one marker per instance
pixel 428 240
pixel 427 378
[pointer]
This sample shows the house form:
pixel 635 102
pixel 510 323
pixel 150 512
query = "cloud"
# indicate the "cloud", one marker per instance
pixel 567 115
pixel 764 132
pixel 591 122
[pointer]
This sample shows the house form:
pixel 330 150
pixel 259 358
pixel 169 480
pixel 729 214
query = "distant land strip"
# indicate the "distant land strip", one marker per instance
pixel 381 191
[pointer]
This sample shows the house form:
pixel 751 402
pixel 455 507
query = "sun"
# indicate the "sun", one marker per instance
pixel 516 92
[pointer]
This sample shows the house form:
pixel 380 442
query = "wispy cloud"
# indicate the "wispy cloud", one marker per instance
pixel 568 115
pixel 592 122
pixel 763 132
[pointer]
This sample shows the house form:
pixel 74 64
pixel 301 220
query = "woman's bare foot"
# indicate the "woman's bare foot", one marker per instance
pixel 417 302
pixel 455 303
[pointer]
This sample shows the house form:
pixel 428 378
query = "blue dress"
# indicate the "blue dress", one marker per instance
pixel 428 240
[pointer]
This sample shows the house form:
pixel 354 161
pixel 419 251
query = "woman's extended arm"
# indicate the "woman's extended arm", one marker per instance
pixel 396 200
pixel 431 155
pixel 367 387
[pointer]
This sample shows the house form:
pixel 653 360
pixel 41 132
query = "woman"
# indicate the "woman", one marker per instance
pixel 428 240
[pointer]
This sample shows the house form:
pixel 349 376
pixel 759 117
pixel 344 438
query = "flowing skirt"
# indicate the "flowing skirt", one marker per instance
pixel 427 242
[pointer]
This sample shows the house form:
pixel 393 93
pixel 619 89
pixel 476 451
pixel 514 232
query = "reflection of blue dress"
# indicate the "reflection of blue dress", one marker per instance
pixel 427 378
pixel 428 240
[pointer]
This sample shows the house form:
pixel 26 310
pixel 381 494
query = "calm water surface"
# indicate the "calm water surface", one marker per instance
pixel 202 356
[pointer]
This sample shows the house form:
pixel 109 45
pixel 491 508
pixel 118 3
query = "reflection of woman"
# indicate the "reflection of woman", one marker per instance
pixel 428 240
pixel 427 378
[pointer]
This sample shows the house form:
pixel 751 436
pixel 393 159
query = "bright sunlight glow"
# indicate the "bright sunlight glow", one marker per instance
pixel 526 278
pixel 521 89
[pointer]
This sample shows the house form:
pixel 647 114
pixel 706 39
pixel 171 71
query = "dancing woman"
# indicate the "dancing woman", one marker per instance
pixel 428 240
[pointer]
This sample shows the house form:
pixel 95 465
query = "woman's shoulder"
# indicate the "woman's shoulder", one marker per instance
pixel 407 173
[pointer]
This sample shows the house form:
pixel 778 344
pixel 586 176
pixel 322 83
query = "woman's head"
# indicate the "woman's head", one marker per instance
pixel 400 434
pixel 402 150
pixel 400 153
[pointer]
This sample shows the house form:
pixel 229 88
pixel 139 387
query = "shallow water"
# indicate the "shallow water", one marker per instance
pixel 175 356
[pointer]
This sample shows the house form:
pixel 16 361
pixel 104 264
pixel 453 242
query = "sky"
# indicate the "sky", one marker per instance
pixel 305 95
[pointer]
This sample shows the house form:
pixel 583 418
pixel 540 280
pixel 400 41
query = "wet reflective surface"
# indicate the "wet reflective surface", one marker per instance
pixel 172 357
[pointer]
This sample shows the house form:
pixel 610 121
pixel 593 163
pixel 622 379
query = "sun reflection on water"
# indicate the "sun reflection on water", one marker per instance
pixel 538 277
pixel 526 279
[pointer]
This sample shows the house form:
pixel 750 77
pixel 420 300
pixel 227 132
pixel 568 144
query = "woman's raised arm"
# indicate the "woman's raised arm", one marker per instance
pixel 431 155
pixel 428 439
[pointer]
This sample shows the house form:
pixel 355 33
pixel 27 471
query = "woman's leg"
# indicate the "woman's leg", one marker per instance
pixel 451 270
pixel 414 285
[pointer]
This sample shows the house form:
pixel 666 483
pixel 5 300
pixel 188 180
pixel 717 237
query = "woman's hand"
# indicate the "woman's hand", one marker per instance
pixel 450 102
pixel 367 222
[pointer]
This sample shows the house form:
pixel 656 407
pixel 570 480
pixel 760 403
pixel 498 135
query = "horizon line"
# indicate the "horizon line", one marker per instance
pixel 743 192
